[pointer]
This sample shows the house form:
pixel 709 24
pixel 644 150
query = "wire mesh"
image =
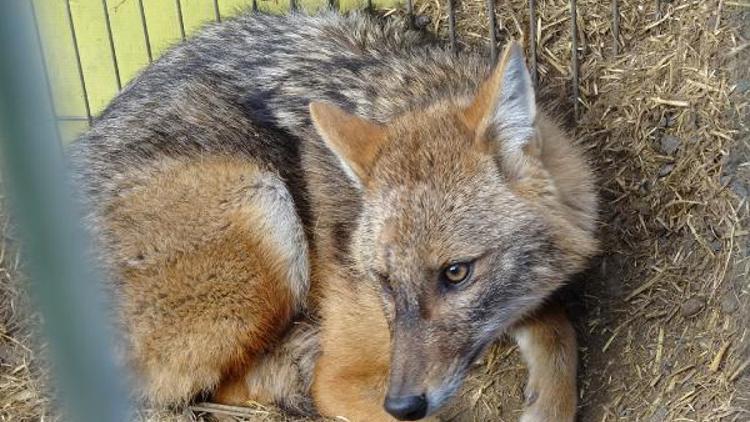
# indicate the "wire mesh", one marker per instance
pixel 533 39
pixel 216 6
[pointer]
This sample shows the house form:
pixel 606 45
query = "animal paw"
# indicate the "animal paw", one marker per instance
pixel 549 404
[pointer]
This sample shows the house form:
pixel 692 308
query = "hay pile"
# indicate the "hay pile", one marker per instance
pixel 21 386
pixel 663 315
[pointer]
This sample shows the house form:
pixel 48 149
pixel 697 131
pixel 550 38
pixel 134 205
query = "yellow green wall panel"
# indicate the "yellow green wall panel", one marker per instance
pixel 94 47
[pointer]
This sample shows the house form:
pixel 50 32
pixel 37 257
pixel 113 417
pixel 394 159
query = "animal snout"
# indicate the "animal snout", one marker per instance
pixel 407 408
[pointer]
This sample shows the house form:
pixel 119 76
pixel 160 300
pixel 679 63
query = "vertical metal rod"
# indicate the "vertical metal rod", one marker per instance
pixel 532 42
pixel 255 6
pixel 293 5
pixel 615 27
pixel 180 18
pixel 63 284
pixel 452 25
pixel 410 13
pixel 146 37
pixel 77 50
pixel 113 53
pixel 574 53
pixel 490 4
pixel 217 12
pixel 658 10
pixel 40 47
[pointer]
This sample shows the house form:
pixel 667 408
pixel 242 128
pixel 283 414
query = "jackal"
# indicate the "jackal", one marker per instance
pixel 336 215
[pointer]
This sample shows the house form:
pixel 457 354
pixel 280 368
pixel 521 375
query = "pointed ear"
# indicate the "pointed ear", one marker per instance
pixel 505 107
pixel 355 141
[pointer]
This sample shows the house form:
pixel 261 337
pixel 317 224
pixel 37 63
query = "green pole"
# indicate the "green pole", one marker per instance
pixel 63 284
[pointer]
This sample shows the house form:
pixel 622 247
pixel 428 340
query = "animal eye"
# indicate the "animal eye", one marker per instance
pixel 456 273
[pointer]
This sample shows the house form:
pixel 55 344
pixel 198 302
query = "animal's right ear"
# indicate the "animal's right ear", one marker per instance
pixel 503 112
pixel 354 140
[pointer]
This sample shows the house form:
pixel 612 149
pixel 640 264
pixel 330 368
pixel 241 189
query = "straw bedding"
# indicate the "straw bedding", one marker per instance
pixel 663 315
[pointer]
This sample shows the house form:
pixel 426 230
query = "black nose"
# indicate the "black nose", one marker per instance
pixel 408 408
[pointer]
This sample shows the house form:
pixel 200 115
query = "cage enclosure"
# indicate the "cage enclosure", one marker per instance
pixel 658 94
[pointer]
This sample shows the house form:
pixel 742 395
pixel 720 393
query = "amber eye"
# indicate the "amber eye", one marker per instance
pixel 457 273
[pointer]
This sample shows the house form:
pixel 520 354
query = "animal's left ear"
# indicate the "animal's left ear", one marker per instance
pixel 354 140
pixel 504 109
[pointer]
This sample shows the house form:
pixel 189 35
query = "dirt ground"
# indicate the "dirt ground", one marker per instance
pixel 663 314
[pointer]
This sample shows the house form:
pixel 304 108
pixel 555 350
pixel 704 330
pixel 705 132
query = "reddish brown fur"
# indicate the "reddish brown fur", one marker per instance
pixel 547 342
pixel 350 375
pixel 356 139
pixel 197 273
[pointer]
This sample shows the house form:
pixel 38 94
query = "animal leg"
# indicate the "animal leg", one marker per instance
pixel 548 345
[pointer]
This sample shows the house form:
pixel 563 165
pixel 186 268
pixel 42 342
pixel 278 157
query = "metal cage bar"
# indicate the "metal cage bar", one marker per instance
pixel 180 18
pixel 492 29
pixel 615 27
pixel 532 43
pixel 64 118
pixel 144 25
pixel 574 54
pixel 658 9
pixel 452 5
pixel 77 50
pixel 452 25
pixel 217 11
pixel 111 38
pixel 47 81
pixel 410 13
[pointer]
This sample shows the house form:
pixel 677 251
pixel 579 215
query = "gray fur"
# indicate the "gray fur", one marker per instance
pixel 269 67
pixel 243 87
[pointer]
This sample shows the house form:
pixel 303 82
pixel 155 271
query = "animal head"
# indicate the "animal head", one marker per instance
pixel 467 224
